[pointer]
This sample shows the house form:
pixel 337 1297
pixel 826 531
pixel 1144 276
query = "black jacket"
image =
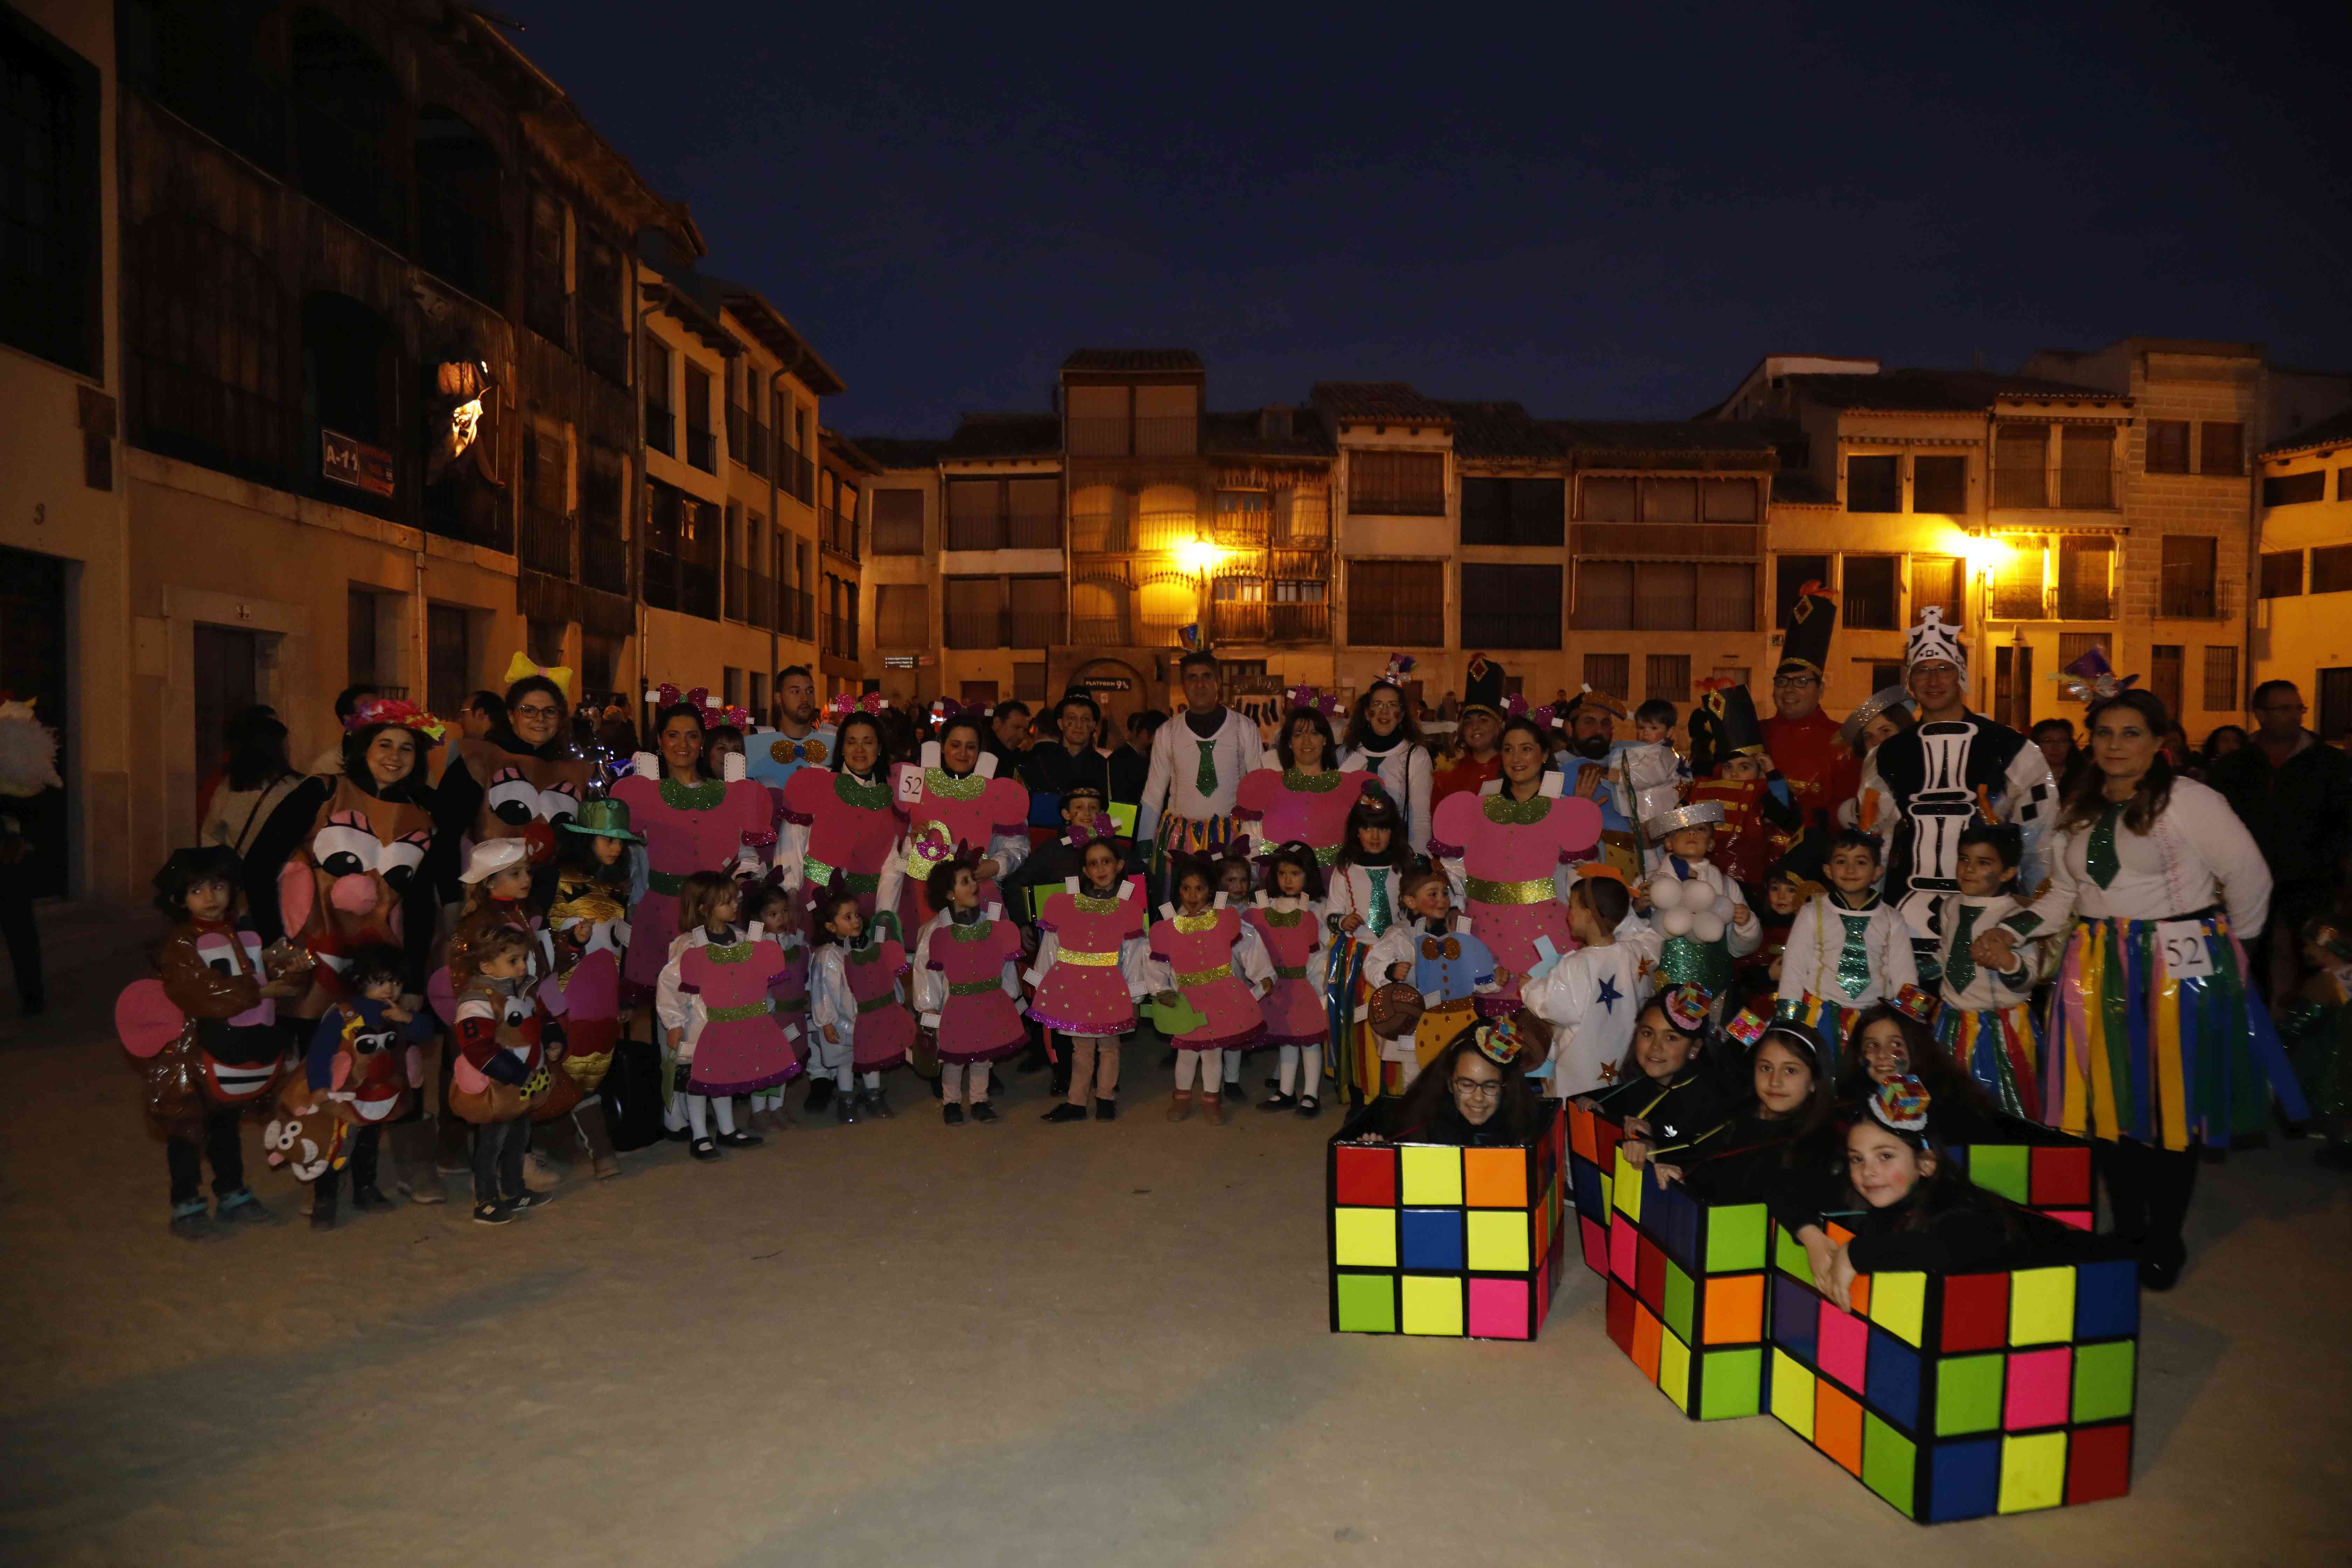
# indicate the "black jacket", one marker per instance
pixel 2299 812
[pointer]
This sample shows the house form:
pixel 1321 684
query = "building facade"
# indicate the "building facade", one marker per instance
pixel 2302 627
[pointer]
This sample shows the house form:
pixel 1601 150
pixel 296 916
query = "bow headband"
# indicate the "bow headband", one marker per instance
pixel 1305 696
pixel 520 667
pixel 668 696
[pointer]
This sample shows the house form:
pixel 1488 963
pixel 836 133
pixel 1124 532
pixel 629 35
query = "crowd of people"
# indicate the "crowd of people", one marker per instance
pixel 1913 926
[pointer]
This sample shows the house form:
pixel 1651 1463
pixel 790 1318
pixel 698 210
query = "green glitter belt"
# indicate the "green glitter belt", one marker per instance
pixel 1222 972
pixel 1535 890
pixel 737 1014
pixel 663 883
pixel 876 1003
pixel 1290 971
pixel 821 875
pixel 974 987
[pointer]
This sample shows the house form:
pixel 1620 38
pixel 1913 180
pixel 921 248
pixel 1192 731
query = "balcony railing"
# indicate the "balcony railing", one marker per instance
pixel 546 543
pixel 838 533
pixel 702 447
pixel 736 441
pixel 661 429
pixel 1169 436
pixel 2026 602
pixel 605 561
pixel 796 614
pixel 751 597
pixel 1297 623
pixel 755 448
pixel 841 636
pixel 2205 601
pixel 605 345
pixel 796 474
pixel 687 587
pixel 472 519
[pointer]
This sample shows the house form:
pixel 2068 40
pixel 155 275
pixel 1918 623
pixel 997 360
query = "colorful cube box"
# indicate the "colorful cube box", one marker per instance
pixel 1686 1294
pixel 2051 1176
pixel 1591 1165
pixel 1954 1396
pixel 1428 1238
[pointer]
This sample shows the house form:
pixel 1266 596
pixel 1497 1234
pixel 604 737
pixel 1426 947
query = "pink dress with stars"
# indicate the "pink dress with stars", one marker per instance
pixel 1199 953
pixel 850 829
pixel 1284 805
pixel 1502 855
pixel 1083 991
pixel 979 1020
pixel 687 828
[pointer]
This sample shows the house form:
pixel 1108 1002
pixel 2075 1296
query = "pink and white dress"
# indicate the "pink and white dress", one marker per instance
pixel 741 1047
pixel 1215 961
pixel 1283 805
pixel 1091 959
pixel 967 988
pixel 1296 1011
pixel 885 1029
pixel 941 812
pixel 1501 856
pixel 837 828
pixel 687 828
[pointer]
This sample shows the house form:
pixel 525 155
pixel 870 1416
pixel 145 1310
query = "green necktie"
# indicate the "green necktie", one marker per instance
pixel 1378 875
pixel 1205 781
pixel 1961 967
pixel 2101 859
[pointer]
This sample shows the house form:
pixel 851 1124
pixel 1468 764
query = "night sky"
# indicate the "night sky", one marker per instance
pixel 1600 217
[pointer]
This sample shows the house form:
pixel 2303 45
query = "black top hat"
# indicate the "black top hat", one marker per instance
pixel 1805 649
pixel 1723 724
pixel 1484 688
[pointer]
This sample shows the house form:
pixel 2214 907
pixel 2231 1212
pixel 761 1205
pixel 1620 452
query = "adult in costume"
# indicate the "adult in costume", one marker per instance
pixel 1952 768
pixel 1587 739
pixel 956 799
pixel 800 739
pixel 691 822
pixel 1382 740
pixel 1304 793
pixel 1803 740
pixel 2156 1045
pixel 1502 849
pixel 1198 761
pixel 1472 762
pixel 838 821
pixel 524 779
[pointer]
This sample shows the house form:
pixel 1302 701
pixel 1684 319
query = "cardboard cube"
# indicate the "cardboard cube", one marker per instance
pixel 1954 1396
pixel 2051 1176
pixel 1428 1238
pixel 1687 1282
pixel 1592 1142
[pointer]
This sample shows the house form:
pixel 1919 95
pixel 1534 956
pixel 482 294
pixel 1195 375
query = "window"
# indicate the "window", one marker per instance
pixel 543 295
pixel 1612 500
pixel 1510 606
pixel 897 522
pixel 1940 580
pixel 1726 596
pixel 1002 612
pixel 2018 577
pixel 1791 574
pixel 1940 485
pixel 2021 463
pixel 2282 575
pixel 2221 447
pixel 1396 603
pixel 2344 484
pixel 449 658
pixel 204 328
pixel 1396 484
pixel 1665 596
pixel 1003 514
pixel 2086 455
pixel 1513 512
pixel 1874 483
pixel 2087 566
pixel 661 416
pixel 1609 672
pixel 1098 421
pixel 2185 585
pixel 1669 500
pixel 49 262
pixel 1029 681
pixel 1666 677
pixel 603 340
pixel 1167 421
pixel 347 105
pixel 543 640
pixel 702 444
pixel 2164 676
pixel 902 614
pixel 347 382
pixel 1036 604
pixel 460 215
pixel 2221 680
pixel 210 62
pixel 1871 595
pixel 2167 447
pixel 1878 674
pixel 2294 489
pixel 2331 569
pixel 1727 500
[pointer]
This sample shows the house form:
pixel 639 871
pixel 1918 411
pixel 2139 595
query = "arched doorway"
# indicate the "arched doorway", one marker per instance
pixel 1116 686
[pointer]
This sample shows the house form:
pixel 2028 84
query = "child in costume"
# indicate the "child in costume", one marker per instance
pixel 712 1000
pixel 1051 867
pixel 858 1019
pixel 776 913
pixel 1987 1022
pixel 1593 996
pixel 1847 950
pixel 1760 820
pixel 1211 969
pixel 968 987
pixel 502 1071
pixel 1646 776
pixel 1090 970
pixel 1743 1158
pixel 1702 914
pixel 1235 870
pixel 365 1059
pixel 1662 1094
pixel 1360 902
pixel 207 1026
pixel 1896 1040
pixel 1436 952
pixel 1287 919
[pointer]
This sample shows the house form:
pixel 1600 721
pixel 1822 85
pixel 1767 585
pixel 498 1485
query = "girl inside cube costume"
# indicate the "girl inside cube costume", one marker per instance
pixel 691 822
pixel 1743 1158
pixel 1476 1093
pixel 776 911
pixel 1090 970
pixel 1304 793
pixel 1208 966
pixel 1362 898
pixel 968 985
pixel 716 1014
pixel 1661 1093
pixel 1287 918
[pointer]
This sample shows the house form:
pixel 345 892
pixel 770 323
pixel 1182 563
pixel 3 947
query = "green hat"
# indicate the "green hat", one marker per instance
pixel 604 818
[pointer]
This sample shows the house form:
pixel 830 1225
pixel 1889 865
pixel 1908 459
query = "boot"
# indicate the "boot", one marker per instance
pixel 322 1201
pixel 588 1121
pixel 1213 1108
pixel 878 1104
pixel 820 1094
pixel 412 1161
pixel 845 1107
pixel 1180 1108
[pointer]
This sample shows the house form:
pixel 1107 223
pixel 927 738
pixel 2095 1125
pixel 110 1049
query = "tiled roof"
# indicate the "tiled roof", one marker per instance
pixel 1237 434
pixel 1128 361
pixel 2335 431
pixel 1935 390
pixel 1389 402
pixel 1680 435
pixel 1005 435
pixel 1495 430
pixel 902 451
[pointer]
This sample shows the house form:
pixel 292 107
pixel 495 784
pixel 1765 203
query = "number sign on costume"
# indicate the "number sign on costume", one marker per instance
pixel 2186 955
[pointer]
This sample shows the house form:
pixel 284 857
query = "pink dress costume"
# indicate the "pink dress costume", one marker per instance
pixel 1501 856
pixel 1083 959
pixel 836 828
pixel 885 1030
pixel 788 988
pixel 965 988
pixel 687 828
pixel 1287 805
pixel 1295 1011
pixel 941 812
pixel 741 1048
pixel 1202 959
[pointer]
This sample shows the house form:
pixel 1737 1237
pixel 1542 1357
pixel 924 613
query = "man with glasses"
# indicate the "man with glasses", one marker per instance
pixel 2294 795
pixel 1802 740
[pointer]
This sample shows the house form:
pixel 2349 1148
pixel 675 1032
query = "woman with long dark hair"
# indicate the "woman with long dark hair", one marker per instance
pixel 258 777
pixel 2156 1045
pixel 1304 793
pixel 1382 740
pixel 524 779
pixel 691 822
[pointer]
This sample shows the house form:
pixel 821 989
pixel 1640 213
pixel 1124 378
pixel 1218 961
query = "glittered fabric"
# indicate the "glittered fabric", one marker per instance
pixel 1960 968
pixel 1203 976
pixel 947 786
pixel 873 796
pixel 736 1014
pixel 1378 916
pixel 1535 890
pixel 1205 779
pixel 1853 953
pixel 973 987
pixel 1501 807
pixel 2100 860
pixel 703 797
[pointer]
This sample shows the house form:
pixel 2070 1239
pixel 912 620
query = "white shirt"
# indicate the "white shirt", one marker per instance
pixel 1404 772
pixel 1173 786
pixel 1818 935
pixel 1592 998
pixel 831 1005
pixel 2196 854
pixel 1987 991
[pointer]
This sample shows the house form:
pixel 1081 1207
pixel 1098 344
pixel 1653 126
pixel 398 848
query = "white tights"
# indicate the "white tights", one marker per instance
pixel 958 1080
pixel 1209 1065
pixel 1311 1056
pixel 845 1079
pixel 699 1107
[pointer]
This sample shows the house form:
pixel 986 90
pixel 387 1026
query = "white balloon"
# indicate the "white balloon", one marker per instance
pixel 1721 909
pixel 1666 893
pixel 1674 922
pixel 1706 926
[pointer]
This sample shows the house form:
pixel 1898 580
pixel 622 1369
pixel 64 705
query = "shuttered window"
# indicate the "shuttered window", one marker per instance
pixel 2221 447
pixel 1396 484
pixel 2283 574
pixel 2021 461
pixel 2167 447
pixel 1510 606
pixel 902 614
pixel 1940 485
pixel 2086 467
pixel 1396 603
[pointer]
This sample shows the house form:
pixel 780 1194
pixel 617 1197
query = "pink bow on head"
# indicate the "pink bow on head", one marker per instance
pixel 739 718
pixel 873 702
pixel 1515 706
pixel 841 707
pixel 699 696
pixel 667 695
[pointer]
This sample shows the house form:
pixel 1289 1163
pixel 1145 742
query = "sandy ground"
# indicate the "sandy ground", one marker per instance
pixel 907 1344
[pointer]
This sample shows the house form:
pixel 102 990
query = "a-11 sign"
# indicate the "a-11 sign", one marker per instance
pixel 354 463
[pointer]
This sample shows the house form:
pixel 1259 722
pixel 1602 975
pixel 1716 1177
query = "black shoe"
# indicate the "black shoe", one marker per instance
pixel 844 1108
pixel 704 1149
pixel 493 1213
pixel 952 1114
pixel 1273 1084
pixel 1105 1110
pixel 322 1210
pixel 740 1140
pixel 1065 1111
pixel 367 1200
pixel 2160 1270
pixel 680 1134
pixel 1033 1060
pixel 1309 1106
pixel 983 1111
pixel 938 1092
pixel 1278 1101
pixel 524 1202
pixel 820 1094
pixel 1235 1092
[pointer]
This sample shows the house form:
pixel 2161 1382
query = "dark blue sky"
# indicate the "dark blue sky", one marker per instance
pixel 1600 217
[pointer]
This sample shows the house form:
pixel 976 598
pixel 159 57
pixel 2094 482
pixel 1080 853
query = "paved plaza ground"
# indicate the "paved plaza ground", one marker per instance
pixel 907 1344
